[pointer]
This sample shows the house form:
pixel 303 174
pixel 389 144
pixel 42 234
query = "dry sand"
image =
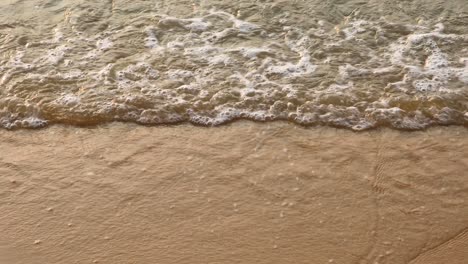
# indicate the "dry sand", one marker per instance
pixel 241 193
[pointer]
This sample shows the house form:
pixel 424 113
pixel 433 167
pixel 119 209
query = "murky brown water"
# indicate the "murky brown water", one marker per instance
pixel 355 64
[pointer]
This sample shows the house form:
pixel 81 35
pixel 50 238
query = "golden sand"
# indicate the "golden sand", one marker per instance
pixel 241 193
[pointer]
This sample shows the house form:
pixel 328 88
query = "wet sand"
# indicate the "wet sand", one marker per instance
pixel 240 193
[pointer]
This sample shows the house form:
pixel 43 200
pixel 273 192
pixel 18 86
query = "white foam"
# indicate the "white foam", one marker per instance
pixel 252 53
pixel 175 45
pixel 245 27
pixel 140 74
pixel 242 26
pixel 193 24
pixel 151 40
pixel 197 25
pixel 338 88
pixel 28 122
pixel 303 67
pixel 104 73
pixel 354 28
pixel 203 51
pixel 219 68
pixel 68 100
pixel 71 75
pixel 58 35
pixel 56 55
pixel 177 74
pixel 15 65
pixel 221 59
pixel 104 44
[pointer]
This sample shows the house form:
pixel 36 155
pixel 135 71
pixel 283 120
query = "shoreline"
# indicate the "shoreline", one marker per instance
pixel 243 192
pixel 230 123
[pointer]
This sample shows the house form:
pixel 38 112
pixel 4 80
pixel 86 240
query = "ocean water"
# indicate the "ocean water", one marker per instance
pixel 357 64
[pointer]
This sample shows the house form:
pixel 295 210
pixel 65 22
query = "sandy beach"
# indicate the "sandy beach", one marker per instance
pixel 233 132
pixel 241 193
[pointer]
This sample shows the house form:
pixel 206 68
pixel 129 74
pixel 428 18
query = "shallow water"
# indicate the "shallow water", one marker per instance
pixel 354 64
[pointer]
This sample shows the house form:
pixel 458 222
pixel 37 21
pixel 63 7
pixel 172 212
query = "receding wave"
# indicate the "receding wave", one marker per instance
pixel 214 66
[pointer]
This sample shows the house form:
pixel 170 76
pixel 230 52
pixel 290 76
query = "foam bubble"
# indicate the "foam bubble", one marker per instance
pixel 253 53
pixel 177 74
pixel 56 55
pixel 215 68
pixel 151 40
pixel 242 26
pixel 197 25
pixel 104 44
pixel 355 27
pixel 68 100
